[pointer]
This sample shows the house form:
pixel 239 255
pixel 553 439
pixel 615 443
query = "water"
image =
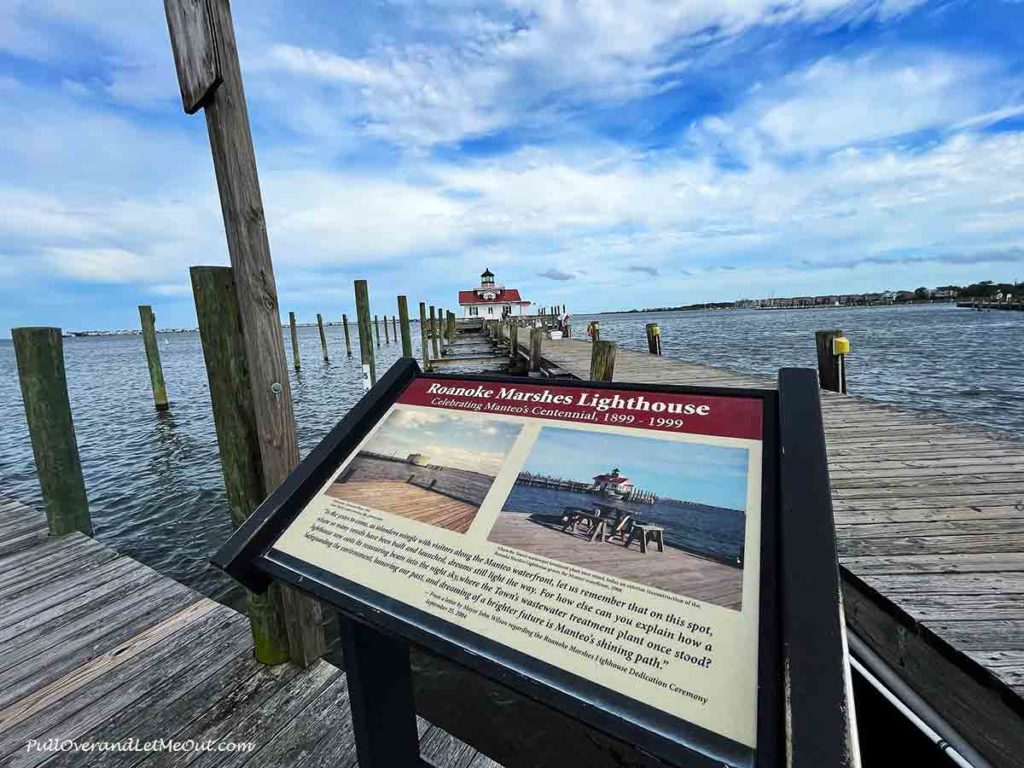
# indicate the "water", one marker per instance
pixel 966 364
pixel 710 531
pixel 154 482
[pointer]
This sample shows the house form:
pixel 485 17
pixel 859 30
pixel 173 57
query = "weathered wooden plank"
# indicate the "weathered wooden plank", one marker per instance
pixel 24 579
pixel 195 51
pixel 251 720
pixel 958 562
pixel 931 528
pixel 214 636
pixel 41 670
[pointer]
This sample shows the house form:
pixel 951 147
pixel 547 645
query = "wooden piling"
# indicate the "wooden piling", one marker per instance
pixel 831 370
pixel 348 339
pixel 156 371
pixel 376 326
pixel 323 338
pixel 451 328
pixel 403 316
pixel 295 341
pixel 387 333
pixel 206 59
pixel 234 418
pixel 365 339
pixel 602 360
pixel 536 345
pixel 44 391
pixel 394 327
pixel 513 344
pixel 423 336
pixel 433 333
pixel 653 339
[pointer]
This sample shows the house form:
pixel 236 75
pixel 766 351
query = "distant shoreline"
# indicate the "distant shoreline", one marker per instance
pixel 734 306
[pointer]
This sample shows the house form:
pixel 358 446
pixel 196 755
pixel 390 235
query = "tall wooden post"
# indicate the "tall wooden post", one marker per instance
pixel 433 333
pixel 452 328
pixel 403 316
pixel 653 339
pixel 394 327
pixel 831 367
pixel 387 335
pixel 513 344
pixel 602 360
pixel 423 336
pixel 365 337
pixel 376 325
pixel 156 371
pixel 44 391
pixel 206 59
pixel 323 338
pixel 220 330
pixel 348 339
pixel 295 341
pixel 536 345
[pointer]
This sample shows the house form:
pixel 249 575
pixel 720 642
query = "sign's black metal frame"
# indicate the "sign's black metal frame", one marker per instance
pixel 800 629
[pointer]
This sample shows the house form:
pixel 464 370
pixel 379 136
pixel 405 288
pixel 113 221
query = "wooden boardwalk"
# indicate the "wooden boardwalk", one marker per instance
pixel 672 570
pixel 930 530
pixel 409 501
pixel 95 647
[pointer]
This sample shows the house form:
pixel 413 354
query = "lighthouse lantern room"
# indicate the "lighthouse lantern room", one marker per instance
pixel 490 300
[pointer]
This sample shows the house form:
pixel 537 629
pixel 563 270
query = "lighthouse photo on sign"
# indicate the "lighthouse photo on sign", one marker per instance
pixel 665 513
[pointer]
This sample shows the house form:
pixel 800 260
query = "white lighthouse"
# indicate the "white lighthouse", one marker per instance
pixel 490 300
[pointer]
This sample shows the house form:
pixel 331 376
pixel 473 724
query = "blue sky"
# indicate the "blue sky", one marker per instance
pixel 460 440
pixel 707 474
pixel 599 154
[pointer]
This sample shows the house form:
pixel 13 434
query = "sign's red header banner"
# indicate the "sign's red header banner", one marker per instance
pixel 739 417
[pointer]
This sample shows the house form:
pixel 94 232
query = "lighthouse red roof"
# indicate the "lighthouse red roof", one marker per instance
pixel 613 479
pixel 505 296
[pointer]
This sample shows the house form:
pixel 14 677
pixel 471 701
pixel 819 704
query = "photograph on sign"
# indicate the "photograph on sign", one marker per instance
pixel 613 535
pixel 432 466
pixel 666 514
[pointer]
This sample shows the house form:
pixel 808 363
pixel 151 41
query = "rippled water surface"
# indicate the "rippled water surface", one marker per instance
pixel 154 483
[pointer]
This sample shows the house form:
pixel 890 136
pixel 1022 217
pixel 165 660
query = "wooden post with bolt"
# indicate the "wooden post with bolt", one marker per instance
pixel 44 391
pixel 602 360
pixel 366 355
pixel 206 60
pixel 156 370
pixel 220 331
pixel 403 316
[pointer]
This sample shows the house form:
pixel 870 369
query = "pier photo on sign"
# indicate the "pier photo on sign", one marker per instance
pixel 432 466
pixel 658 511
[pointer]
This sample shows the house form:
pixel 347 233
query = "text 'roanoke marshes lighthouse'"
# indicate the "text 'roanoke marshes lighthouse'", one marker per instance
pixel 491 300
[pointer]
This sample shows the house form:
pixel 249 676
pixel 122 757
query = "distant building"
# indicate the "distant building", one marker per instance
pixel 613 484
pixel 490 300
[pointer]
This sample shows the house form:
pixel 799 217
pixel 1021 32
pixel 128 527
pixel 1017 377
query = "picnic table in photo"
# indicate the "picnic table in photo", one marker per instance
pixel 606 522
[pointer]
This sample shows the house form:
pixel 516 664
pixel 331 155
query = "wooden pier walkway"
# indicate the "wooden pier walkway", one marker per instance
pixel 930 529
pixel 409 501
pixel 95 647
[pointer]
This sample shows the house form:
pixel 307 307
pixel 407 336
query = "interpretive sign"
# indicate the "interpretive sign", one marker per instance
pixel 602 547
